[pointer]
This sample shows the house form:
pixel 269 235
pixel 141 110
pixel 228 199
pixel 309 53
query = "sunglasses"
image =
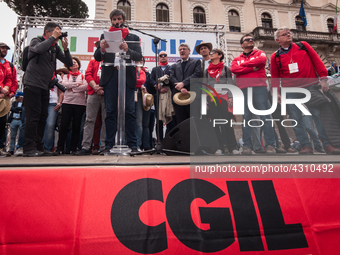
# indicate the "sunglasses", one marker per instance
pixel 212 52
pixel 162 55
pixel 248 39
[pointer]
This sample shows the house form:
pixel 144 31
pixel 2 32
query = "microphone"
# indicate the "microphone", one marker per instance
pixel 124 25
pixel 121 25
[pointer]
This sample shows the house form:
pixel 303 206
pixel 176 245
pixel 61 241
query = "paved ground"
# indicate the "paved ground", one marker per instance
pixel 158 159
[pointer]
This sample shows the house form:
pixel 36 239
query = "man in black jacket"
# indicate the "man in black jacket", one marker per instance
pixel 43 52
pixel 180 75
pixel 162 70
pixel 109 80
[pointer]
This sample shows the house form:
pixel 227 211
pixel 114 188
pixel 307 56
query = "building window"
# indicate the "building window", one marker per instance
pixel 330 25
pixel 126 7
pixel 199 15
pixel 162 13
pixel 234 21
pixel 300 26
pixel 267 21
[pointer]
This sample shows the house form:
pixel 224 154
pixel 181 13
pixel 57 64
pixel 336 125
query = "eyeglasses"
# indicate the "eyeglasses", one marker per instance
pixel 285 34
pixel 212 52
pixel 248 39
pixel 163 55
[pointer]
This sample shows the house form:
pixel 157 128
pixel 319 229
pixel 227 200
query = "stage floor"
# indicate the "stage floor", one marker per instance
pixel 159 159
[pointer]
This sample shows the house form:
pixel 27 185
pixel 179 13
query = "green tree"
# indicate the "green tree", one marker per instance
pixel 49 8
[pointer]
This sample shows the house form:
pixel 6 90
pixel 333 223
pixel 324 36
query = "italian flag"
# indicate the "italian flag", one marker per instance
pixel 335 26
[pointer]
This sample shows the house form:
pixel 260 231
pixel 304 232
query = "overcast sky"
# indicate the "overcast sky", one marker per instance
pixel 9 21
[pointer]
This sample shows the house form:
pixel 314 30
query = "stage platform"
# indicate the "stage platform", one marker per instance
pixel 158 204
pixel 159 159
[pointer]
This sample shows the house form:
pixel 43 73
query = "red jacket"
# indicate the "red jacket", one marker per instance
pixel 309 64
pixel 91 74
pixel 14 87
pixel 5 76
pixel 141 78
pixel 243 67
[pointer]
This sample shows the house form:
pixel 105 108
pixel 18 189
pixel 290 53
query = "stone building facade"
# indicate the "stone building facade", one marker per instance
pixel 260 17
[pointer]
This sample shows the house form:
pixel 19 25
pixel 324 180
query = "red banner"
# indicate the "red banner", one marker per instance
pixel 147 210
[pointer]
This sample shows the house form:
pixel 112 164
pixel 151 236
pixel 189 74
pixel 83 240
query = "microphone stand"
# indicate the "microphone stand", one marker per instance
pixel 158 147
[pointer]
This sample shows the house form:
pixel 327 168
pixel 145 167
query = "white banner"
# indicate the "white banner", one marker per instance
pixel 81 43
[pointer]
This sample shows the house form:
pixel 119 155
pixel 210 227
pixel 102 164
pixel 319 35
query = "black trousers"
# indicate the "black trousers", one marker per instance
pixel 70 113
pixel 3 129
pixel 36 108
pixel 225 133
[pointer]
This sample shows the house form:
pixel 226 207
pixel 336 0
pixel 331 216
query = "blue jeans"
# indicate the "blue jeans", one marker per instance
pixel 260 101
pixel 300 130
pixel 15 125
pixel 48 138
pixel 111 101
pixel 308 124
pixel 256 135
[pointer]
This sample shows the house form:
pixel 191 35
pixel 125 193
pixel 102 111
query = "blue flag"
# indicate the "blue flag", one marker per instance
pixel 303 15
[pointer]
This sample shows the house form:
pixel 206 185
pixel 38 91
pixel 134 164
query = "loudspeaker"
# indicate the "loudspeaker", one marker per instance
pixel 192 135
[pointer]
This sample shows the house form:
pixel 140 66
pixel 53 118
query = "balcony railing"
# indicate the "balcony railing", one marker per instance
pixel 261 33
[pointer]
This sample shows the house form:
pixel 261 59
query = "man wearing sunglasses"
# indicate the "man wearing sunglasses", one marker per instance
pixel 249 68
pixel 167 113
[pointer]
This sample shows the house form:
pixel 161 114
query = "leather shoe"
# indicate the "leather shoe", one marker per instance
pixel 270 149
pixel 95 152
pixel 280 151
pixel 319 149
pixel 34 153
pixel 49 153
pixel 260 151
pixel 246 151
pixel 306 151
pixel 106 150
pixel 332 151
pixel 83 152
pixel 291 150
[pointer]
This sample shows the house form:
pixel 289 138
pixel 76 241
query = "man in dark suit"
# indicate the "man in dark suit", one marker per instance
pixel 180 75
pixel 109 80
pixel 163 69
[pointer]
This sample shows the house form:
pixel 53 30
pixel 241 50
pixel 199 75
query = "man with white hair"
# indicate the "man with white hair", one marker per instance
pixel 298 65
pixel 180 75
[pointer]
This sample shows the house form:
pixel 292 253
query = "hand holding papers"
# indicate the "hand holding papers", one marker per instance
pixel 114 40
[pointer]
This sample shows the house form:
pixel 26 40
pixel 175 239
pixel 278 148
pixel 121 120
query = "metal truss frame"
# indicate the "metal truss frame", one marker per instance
pixel 25 22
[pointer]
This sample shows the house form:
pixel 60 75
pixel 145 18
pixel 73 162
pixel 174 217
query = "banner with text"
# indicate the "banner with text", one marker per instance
pixel 148 210
pixel 81 43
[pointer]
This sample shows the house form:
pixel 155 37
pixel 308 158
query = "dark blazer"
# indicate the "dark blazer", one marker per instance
pixel 192 70
pixel 160 73
pixel 202 67
pixel 135 54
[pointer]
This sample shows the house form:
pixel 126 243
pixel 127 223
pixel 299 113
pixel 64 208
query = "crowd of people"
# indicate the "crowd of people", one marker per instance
pixel 88 102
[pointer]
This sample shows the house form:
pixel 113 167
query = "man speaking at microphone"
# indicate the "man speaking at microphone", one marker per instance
pixel 109 80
